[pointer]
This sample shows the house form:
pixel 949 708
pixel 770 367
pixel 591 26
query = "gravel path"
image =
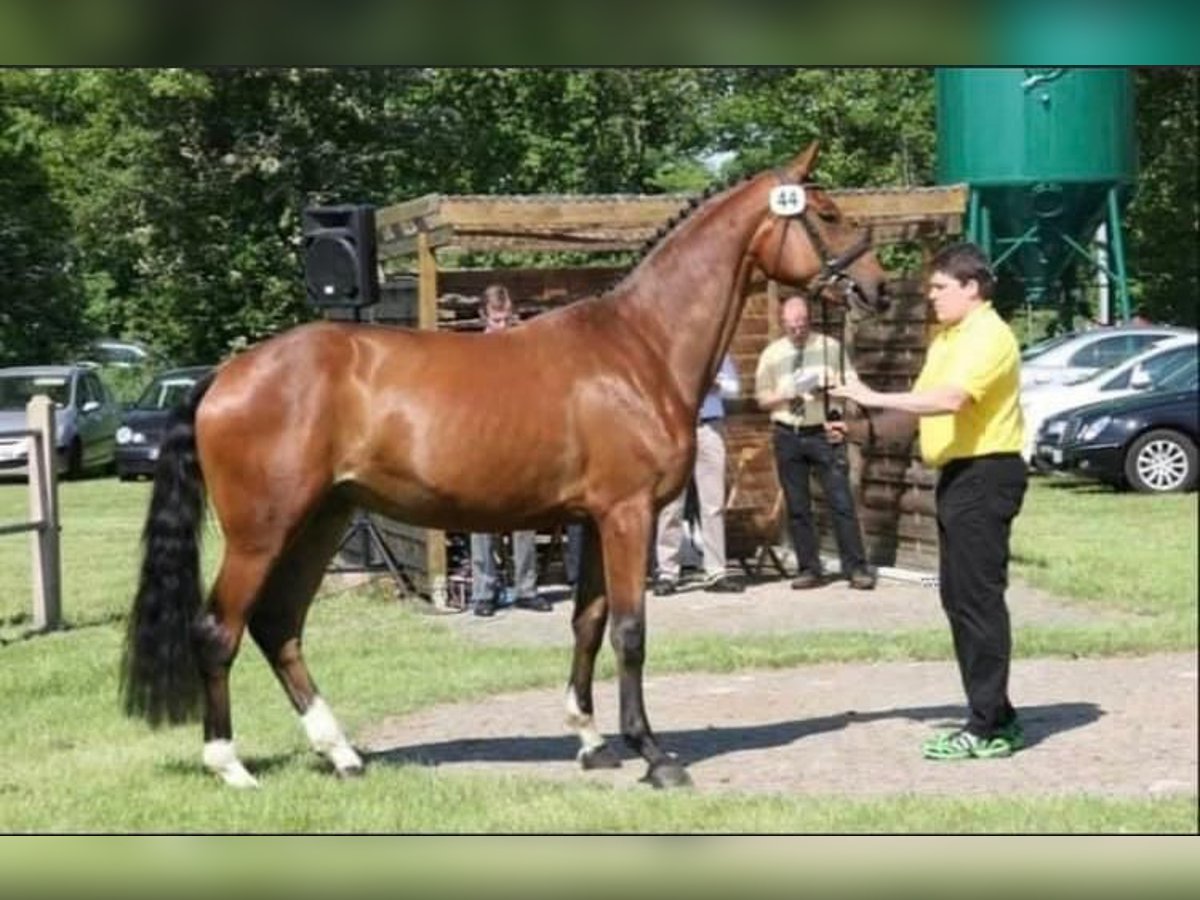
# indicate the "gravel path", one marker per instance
pixel 773 607
pixel 1112 727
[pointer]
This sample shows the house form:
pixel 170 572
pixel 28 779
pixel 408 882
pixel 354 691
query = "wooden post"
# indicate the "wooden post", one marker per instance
pixel 427 318
pixel 43 510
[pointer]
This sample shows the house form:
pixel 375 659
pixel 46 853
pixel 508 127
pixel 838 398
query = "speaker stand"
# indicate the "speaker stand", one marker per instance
pixel 363 530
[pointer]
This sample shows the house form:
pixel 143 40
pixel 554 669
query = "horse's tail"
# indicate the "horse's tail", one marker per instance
pixel 160 675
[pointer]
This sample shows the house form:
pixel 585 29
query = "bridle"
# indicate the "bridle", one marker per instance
pixel 833 272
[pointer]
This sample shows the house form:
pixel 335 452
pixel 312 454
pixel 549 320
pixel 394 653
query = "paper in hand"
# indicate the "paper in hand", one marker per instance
pixel 805 381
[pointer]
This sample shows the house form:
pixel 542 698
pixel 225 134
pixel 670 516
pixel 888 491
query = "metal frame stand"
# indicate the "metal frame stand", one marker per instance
pixel 979 230
pixel 362 528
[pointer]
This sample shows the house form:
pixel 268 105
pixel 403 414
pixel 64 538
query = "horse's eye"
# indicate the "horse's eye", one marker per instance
pixel 828 213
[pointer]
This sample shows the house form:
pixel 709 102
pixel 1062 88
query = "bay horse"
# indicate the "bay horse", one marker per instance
pixel 586 412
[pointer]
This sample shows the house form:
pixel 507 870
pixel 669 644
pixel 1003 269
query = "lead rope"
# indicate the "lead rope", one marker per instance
pixel 831 415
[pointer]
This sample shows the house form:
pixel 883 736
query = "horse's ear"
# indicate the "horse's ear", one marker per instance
pixel 800 167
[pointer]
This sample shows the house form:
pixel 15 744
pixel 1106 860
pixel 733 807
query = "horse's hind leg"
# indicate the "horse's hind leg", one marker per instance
pixel 218 636
pixel 277 624
pixel 590 617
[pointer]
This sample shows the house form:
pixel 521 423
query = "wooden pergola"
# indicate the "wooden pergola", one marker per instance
pixel 420 229
pixel 424 236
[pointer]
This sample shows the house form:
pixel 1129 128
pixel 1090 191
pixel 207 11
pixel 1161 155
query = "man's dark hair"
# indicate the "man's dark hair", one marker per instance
pixel 966 261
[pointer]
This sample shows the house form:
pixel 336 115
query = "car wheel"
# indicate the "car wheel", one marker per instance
pixel 1161 461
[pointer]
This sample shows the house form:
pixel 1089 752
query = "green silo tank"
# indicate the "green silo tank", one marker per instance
pixel 1049 154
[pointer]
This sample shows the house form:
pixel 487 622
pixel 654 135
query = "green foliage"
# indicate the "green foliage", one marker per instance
pixel 1164 217
pixel 127 383
pixel 164 204
pixel 875 126
pixel 41 315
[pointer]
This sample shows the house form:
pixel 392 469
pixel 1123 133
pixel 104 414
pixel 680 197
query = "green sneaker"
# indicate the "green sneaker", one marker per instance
pixel 1014 734
pixel 962 744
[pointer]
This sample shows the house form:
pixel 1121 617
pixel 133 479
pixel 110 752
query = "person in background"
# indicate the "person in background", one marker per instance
pixel 1140 317
pixel 498 314
pixel 709 475
pixel 792 372
pixel 971 430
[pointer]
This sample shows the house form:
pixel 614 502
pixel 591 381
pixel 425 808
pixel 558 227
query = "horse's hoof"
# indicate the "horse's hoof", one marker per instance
pixel 346 761
pixel 668 774
pixel 601 756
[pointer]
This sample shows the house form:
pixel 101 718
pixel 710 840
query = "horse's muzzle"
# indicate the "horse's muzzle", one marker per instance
pixel 867 302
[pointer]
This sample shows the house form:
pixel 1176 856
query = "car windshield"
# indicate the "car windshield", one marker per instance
pixel 17 390
pixel 163 393
pixel 1042 346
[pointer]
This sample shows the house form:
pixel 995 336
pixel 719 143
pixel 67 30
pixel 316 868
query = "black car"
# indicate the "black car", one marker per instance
pixel 142 423
pixel 1146 441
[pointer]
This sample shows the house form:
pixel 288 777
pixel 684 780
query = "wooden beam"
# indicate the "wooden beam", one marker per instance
pixel 912 203
pixel 544 243
pixel 624 222
pixel 533 210
pixel 427 283
pixel 399 214
pixel 427 318
pixel 406 245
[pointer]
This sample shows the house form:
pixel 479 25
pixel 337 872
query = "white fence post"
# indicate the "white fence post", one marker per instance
pixel 43 510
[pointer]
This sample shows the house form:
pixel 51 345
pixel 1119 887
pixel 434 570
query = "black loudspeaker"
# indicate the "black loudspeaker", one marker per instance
pixel 339 255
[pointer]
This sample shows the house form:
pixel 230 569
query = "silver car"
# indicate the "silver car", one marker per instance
pixel 1073 357
pixel 86 417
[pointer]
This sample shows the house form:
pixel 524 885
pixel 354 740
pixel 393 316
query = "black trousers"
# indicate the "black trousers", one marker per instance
pixel 796 455
pixel 977 500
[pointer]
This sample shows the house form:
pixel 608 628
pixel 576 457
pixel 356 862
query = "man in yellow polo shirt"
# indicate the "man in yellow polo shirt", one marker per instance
pixel 971 430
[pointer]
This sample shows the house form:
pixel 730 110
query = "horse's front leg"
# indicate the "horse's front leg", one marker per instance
pixel 588 621
pixel 625 539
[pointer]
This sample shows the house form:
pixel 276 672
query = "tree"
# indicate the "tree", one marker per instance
pixel 875 126
pixel 41 316
pixel 1164 216
pixel 185 188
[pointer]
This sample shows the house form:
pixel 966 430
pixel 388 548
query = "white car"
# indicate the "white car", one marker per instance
pixel 1141 372
pixel 1070 357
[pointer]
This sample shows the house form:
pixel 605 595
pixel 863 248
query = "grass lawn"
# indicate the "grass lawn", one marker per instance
pixel 71 763
pixel 1135 552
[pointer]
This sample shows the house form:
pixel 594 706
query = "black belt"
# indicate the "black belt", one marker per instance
pixel 798 429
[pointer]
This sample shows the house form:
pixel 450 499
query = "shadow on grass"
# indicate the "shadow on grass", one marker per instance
pixel 255 765
pixel 29 632
pixel 699 744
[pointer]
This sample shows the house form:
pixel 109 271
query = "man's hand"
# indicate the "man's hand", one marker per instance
pixel 835 432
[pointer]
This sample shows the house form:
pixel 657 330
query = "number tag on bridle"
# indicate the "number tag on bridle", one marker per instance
pixel 787 200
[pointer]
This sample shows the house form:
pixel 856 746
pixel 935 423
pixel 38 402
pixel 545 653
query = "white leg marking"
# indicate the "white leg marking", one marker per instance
pixel 327 738
pixel 221 757
pixel 582 724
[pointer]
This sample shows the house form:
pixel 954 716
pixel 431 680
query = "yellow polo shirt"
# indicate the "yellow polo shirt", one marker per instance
pixel 980 354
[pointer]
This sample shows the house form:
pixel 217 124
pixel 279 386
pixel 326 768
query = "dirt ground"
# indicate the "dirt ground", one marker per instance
pixel 1112 727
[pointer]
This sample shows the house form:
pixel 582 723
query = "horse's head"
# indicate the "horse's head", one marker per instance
pixel 805 240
